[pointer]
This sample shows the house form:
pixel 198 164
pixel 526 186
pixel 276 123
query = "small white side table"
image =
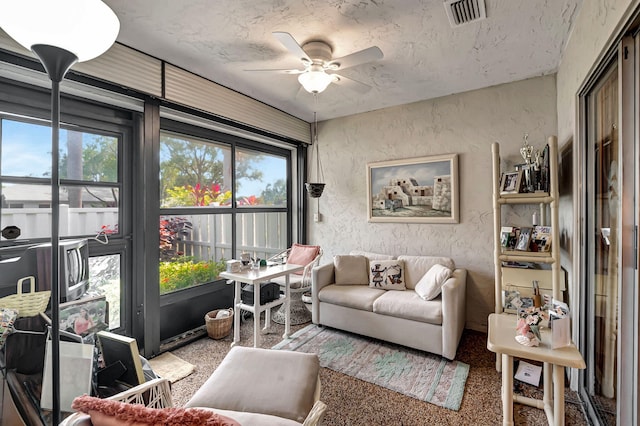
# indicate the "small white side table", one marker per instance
pixel 255 277
pixel 502 332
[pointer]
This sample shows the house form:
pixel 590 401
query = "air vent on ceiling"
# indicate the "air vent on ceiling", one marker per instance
pixel 462 12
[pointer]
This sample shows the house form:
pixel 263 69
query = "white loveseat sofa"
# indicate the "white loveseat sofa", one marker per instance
pixel 398 316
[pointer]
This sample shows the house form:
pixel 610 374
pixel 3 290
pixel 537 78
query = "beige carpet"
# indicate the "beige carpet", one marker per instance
pixel 353 402
pixel 171 367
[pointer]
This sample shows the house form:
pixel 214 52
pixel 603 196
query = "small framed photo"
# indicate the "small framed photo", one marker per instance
pixel 511 182
pixel 523 239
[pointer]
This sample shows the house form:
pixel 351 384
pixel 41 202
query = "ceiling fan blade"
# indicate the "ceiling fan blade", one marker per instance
pixel 370 54
pixel 349 83
pixel 279 71
pixel 292 45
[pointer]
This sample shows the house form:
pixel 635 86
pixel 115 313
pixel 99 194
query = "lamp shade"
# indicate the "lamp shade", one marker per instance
pixel 315 81
pixel 86 28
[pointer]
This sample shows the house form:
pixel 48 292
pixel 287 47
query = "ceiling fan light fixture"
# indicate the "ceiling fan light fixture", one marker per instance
pixel 315 81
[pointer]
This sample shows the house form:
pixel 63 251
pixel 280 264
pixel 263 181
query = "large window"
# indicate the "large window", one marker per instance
pixel 89 187
pixel 90 195
pixel 209 189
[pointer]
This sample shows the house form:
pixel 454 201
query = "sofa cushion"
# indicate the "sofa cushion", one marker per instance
pixel 408 305
pixel 350 296
pixel 416 266
pixel 430 285
pixel 350 269
pixel 386 274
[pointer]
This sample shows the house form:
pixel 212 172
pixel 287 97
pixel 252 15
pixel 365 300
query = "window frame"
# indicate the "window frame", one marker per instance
pixel 234 142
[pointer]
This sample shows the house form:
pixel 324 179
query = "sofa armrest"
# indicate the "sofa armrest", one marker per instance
pixel 321 276
pixel 454 293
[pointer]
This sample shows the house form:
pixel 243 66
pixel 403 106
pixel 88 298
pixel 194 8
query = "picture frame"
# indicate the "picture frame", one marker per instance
pixel 511 182
pixel 117 348
pixel 523 239
pixel 84 316
pixel 414 190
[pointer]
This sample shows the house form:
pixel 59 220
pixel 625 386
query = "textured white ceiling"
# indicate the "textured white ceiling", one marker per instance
pixel 424 57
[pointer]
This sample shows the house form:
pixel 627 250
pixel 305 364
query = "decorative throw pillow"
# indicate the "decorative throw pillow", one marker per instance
pixel 350 269
pixel 430 285
pixel 302 255
pixel 386 274
pixel 7 318
pixel 107 412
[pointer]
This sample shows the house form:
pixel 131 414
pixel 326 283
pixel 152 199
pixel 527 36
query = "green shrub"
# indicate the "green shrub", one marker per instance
pixel 186 272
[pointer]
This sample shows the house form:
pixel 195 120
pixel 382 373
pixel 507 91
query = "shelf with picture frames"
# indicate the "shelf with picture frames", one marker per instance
pixel 546 201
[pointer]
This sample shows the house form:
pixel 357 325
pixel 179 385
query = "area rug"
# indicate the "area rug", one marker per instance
pixel 414 373
pixel 171 367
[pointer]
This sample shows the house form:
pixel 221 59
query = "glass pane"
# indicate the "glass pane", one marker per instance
pixel 193 249
pixel 88 210
pixel 193 172
pixel 84 210
pixel 261 234
pixel 26 149
pixel 88 157
pixel 104 280
pixel 604 273
pixel 261 179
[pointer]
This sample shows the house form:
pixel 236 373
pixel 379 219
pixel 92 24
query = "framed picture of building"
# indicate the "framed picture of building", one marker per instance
pixel 414 190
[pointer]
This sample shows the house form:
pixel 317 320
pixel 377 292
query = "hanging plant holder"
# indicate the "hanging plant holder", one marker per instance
pixel 314 189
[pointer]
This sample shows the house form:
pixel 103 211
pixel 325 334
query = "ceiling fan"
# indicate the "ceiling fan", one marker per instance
pixel 319 67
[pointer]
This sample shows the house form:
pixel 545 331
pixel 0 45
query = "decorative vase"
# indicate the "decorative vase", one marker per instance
pixel 314 189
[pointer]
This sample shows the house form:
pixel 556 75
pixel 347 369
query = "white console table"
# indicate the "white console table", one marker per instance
pixel 255 277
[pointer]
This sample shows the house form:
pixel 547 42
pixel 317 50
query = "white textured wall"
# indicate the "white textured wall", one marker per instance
pixel 595 25
pixel 465 124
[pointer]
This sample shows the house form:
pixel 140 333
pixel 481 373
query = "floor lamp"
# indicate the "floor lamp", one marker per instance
pixel 60 33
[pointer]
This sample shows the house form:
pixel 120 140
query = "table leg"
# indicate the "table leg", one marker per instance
pixel 256 315
pixel 558 395
pixel 547 397
pixel 507 390
pixel 237 313
pixel 267 321
pixel 287 310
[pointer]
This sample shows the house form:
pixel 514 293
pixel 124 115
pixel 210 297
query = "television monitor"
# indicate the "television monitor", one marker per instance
pixel 36 261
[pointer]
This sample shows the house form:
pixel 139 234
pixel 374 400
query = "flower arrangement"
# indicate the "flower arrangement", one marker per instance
pixel 529 322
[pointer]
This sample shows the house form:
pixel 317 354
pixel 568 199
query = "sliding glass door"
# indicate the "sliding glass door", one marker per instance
pixel 609 294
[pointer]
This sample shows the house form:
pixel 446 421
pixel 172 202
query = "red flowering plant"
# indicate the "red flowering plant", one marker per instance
pixel 251 200
pixel 198 195
pixel 207 195
pixel 172 230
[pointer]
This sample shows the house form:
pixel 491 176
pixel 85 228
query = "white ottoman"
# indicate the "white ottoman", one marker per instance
pixel 278 383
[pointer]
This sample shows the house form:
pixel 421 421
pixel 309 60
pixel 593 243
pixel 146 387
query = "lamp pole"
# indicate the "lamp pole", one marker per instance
pixel 56 62
pixel 60 33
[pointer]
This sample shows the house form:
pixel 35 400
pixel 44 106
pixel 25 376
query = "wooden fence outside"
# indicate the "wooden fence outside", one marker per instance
pixel 261 234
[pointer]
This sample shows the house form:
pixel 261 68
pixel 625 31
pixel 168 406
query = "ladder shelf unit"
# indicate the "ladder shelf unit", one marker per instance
pixel 544 200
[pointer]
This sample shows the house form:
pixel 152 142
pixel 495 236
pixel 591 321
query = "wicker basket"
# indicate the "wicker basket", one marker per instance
pixel 27 304
pixel 218 328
